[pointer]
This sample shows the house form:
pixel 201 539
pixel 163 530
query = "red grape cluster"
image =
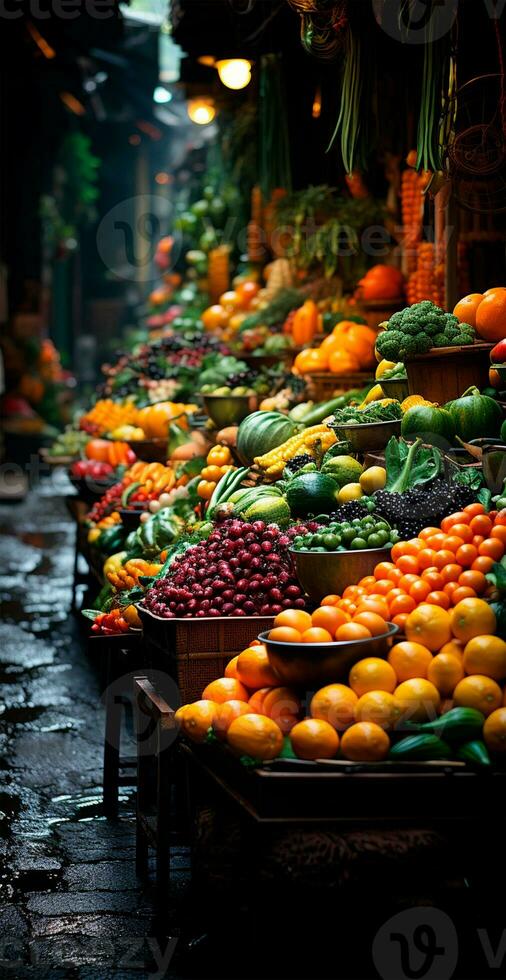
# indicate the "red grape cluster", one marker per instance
pixel 241 569
pixel 110 501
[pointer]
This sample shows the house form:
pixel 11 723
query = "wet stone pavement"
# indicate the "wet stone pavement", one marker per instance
pixel 70 905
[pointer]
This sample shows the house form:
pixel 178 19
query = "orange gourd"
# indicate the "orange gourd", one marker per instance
pixel 115 453
pixel 342 362
pixel 311 360
pixel 356 340
pixel 305 323
pixel 155 419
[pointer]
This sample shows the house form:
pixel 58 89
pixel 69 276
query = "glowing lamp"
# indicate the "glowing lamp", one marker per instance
pixel 201 111
pixel 234 72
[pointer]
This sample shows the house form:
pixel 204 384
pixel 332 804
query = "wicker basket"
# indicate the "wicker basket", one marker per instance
pixel 323 385
pixel 201 647
pixel 444 373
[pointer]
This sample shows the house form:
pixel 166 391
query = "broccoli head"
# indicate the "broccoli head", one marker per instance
pixel 389 343
pixel 415 345
pixel 441 340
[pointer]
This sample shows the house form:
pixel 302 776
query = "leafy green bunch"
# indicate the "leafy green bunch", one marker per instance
pixel 418 328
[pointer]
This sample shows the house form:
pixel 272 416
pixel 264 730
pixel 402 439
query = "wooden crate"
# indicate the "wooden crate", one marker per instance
pixel 445 373
pixel 201 648
pixel 323 385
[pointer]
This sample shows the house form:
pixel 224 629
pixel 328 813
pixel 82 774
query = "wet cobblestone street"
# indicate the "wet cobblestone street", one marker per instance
pixel 70 905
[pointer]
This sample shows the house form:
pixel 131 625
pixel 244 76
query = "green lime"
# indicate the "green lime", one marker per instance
pixel 358 544
pixel 330 541
pixel 348 534
pixel 374 541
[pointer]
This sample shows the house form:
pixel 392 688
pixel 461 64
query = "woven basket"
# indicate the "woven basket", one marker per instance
pixel 201 647
pixel 323 385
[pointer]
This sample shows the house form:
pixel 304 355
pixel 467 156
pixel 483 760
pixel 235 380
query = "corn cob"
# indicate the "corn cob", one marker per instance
pixel 317 436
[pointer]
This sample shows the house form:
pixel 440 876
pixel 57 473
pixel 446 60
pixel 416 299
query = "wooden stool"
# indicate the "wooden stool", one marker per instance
pixel 121 657
pixel 156 730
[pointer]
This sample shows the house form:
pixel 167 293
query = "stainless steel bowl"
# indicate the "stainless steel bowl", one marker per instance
pixel 309 665
pixel 369 436
pixel 229 409
pixel 322 573
pixel 395 388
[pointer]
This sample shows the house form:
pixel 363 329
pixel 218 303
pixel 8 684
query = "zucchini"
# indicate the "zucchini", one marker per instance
pixel 420 748
pixel 475 753
pixel 457 725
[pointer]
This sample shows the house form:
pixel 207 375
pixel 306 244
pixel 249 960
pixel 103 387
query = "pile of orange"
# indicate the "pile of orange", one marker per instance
pixel 484 311
pixel 450 658
pixel 326 624
pixel 349 348
pixel 440 567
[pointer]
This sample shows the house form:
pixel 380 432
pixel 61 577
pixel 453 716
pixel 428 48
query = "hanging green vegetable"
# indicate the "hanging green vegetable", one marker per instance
pixel 352 115
pixel 275 167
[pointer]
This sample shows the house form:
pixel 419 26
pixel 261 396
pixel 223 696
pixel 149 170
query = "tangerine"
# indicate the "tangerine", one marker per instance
pixel 429 625
pixel 365 742
pixel 254 669
pixel 494 731
pixel 472 617
pixel 336 704
pixel 372 674
pixel 380 707
pixel 314 738
pixel 480 692
pixel 255 735
pixel 445 671
pixel 225 689
pixel 486 655
pixel 419 699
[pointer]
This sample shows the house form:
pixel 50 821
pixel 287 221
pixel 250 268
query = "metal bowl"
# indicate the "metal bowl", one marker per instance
pixel 229 409
pixel 369 436
pixel 307 665
pixel 149 450
pixel 322 573
pixel 395 388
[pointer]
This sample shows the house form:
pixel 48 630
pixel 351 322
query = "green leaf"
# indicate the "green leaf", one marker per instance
pixel 484 497
pixel 90 613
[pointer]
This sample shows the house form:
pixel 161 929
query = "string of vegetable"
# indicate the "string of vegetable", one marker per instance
pixel 438 85
pixel 350 122
pixel 274 152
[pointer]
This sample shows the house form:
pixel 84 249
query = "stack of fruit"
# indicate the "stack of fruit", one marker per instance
pixel 437 696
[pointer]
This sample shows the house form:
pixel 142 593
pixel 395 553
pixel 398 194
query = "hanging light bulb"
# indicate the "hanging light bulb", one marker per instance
pixel 234 72
pixel 201 111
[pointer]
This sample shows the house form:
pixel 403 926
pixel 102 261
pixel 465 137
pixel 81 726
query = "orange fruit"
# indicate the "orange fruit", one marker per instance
pixel 215 317
pixel 254 669
pixel 428 532
pixel 318 635
pixel 179 715
pixel 296 619
pixel 434 578
pixel 231 668
pixel 486 655
pixel 283 706
pixel 429 625
pixel 329 618
pixel 451 573
pixel 481 524
pixel 474 509
pixel 472 617
pixel 445 671
pixel 419 591
pixel 462 592
pixel 330 600
pixel 225 689
pixel 455 647
pixel 483 563
pixel 374 623
pixel 400 621
pixel 383 568
pixel 372 674
pixel 352 631
pixel 314 739
pixel 198 718
pixel 443 558
pixel 402 604
pixel 365 742
pixel 409 660
pixel 450 588
pixel 419 699
pixel 463 531
pixel 408 564
pixel 473 580
pixel 375 604
pixel 256 701
pixel 225 715
pixel 466 308
pixel 459 517
pixel 492 548
pixel 334 703
pixel 491 315
pixel 466 555
pixel 438 598
pixel 407 581
pixel 285 634
pixel 494 731
pixel 478 691
pixel 255 735
pixel 381 707
pixel 384 586
pixel 498 532
pixel 427 558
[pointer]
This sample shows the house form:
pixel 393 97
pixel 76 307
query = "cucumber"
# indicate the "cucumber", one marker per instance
pixel 129 492
pixel 420 748
pixel 475 753
pixel 319 412
pixel 457 725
